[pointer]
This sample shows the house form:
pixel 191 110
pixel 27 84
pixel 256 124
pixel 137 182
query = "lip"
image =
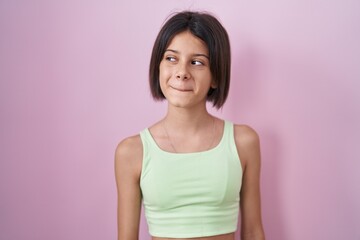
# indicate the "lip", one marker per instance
pixel 181 90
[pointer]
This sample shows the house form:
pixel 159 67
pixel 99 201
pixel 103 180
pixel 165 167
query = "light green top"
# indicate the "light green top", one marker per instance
pixel 188 195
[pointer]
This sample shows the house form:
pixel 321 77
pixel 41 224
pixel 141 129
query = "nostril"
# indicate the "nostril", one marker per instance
pixel 182 76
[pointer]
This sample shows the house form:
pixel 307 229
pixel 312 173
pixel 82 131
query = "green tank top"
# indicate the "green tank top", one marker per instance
pixel 189 195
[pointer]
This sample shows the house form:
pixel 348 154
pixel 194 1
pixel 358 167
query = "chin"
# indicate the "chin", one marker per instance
pixel 183 104
pixel 184 101
pixel 180 105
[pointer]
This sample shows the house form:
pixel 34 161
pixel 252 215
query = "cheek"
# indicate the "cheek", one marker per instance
pixel 164 71
pixel 206 78
pixel 162 76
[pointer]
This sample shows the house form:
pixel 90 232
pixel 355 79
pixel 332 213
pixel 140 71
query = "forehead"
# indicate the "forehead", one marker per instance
pixel 186 42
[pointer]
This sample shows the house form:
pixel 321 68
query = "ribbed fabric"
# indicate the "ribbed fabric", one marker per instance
pixel 189 195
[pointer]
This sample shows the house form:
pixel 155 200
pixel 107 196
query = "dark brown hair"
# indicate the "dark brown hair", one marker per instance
pixel 207 28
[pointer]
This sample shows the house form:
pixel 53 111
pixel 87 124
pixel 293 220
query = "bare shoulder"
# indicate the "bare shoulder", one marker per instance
pixel 246 135
pixel 247 142
pixel 128 154
pixel 129 147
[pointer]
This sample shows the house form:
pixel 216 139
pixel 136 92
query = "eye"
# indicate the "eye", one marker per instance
pixel 197 62
pixel 170 58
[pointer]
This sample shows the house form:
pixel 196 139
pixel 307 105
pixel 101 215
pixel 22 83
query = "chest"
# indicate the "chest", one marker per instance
pixel 188 180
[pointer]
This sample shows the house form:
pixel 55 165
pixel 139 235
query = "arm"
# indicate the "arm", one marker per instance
pixel 128 160
pixel 248 147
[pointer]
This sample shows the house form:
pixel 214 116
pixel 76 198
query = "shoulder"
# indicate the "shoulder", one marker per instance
pixel 128 146
pixel 245 135
pixel 128 153
pixel 247 143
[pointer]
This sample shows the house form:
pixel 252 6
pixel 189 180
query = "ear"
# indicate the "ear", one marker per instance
pixel 213 84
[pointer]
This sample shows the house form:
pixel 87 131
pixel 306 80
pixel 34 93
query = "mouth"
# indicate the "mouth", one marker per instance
pixel 181 89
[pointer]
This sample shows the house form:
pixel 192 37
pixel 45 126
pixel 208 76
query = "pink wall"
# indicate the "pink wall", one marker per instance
pixel 69 75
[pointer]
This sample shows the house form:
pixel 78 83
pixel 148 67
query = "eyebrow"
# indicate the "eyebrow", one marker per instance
pixel 196 54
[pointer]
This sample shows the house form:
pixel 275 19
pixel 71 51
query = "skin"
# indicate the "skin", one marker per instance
pixel 185 79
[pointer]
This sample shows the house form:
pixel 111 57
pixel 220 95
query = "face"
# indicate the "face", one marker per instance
pixel 185 76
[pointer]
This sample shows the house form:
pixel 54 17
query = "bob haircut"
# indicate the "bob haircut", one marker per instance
pixel 207 28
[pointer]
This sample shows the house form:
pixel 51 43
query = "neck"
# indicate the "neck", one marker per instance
pixel 187 120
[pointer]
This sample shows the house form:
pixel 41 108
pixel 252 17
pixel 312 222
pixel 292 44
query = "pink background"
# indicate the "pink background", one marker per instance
pixel 73 83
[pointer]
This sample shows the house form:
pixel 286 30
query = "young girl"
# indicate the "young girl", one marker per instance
pixel 192 171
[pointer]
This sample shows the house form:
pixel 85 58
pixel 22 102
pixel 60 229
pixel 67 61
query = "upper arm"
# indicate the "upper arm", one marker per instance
pixel 128 160
pixel 248 146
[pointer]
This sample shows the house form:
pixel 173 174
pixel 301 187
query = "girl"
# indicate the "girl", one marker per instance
pixel 192 171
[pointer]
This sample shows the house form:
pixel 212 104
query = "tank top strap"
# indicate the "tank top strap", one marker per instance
pixel 228 131
pixel 146 142
pixel 229 138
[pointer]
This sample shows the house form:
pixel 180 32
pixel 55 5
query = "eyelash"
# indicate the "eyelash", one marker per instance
pixel 193 62
pixel 170 59
pixel 197 61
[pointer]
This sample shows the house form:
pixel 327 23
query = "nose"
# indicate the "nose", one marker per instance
pixel 182 72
